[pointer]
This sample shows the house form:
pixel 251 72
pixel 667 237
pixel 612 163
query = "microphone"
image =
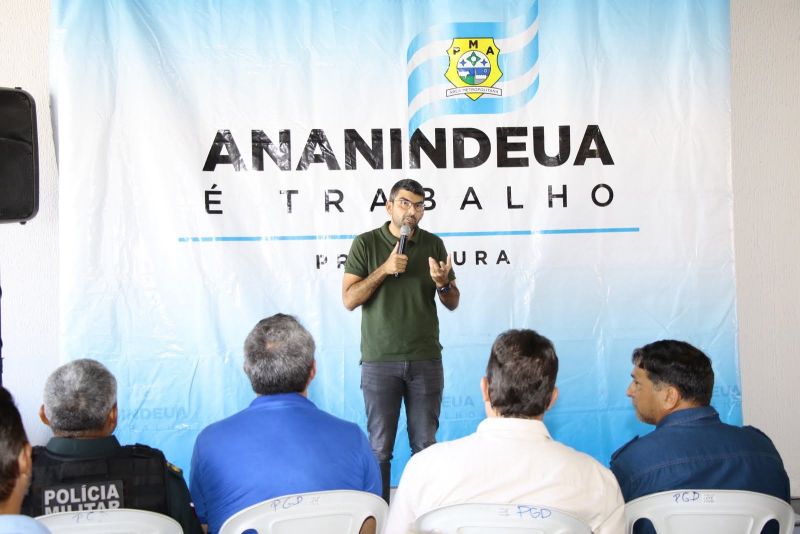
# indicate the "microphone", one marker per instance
pixel 405 231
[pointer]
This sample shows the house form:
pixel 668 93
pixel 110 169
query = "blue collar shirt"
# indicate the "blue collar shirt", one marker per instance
pixel 692 448
pixel 21 524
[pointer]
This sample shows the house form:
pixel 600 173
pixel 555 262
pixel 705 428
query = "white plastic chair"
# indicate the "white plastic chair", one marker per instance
pixel 114 521
pixel 710 512
pixel 479 518
pixel 323 512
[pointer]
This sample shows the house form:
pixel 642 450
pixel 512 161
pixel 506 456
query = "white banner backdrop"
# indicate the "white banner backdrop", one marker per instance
pixel 217 158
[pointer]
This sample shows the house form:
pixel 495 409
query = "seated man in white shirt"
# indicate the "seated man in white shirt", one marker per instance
pixel 511 458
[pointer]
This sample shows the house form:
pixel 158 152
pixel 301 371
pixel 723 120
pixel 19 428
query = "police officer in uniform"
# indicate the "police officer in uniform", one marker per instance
pixel 84 467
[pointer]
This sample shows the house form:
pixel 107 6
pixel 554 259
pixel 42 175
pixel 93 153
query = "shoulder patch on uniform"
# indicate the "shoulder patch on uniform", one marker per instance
pixel 619 451
pixel 174 468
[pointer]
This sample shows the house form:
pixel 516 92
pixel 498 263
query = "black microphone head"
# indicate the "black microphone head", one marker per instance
pixel 405 230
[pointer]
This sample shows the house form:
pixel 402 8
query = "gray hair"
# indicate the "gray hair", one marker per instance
pixel 278 355
pixel 78 397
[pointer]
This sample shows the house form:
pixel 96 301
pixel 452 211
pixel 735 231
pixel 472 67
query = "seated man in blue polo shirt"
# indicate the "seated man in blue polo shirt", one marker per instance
pixel 281 443
pixel 690 447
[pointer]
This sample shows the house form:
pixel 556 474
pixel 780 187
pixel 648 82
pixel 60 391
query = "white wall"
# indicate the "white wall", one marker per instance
pixel 29 253
pixel 766 176
pixel 765 52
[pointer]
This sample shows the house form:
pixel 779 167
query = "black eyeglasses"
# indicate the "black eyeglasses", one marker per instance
pixel 405 204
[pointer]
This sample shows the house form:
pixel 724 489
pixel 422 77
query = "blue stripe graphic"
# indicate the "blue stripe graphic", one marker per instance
pixel 497 233
pixel 241 239
pixel 519 62
pixel 513 65
pixel 463 106
pixel 589 231
pixel 427 74
pixel 485 234
pixel 498 30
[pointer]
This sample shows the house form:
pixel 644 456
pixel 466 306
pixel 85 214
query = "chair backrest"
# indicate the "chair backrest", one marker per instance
pixel 702 511
pixel 323 512
pixel 480 518
pixel 114 521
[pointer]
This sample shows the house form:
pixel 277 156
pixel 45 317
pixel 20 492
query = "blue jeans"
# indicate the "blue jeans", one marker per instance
pixel 385 385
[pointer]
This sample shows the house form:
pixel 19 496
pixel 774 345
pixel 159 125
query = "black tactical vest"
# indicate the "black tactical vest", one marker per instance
pixel 133 477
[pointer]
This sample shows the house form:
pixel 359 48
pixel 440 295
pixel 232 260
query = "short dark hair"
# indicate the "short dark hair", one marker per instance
pixel 521 373
pixel 278 355
pixel 12 440
pixel 680 365
pixel 412 186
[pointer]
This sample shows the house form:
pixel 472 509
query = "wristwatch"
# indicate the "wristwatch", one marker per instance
pixel 444 289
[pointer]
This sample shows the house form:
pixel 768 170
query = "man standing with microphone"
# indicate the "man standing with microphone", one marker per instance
pixel 395 273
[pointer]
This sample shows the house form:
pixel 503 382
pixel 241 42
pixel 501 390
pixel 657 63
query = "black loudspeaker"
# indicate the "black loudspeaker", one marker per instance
pixel 19 156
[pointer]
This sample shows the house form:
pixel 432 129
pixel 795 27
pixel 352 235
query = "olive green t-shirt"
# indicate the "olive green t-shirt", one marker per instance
pixel 399 321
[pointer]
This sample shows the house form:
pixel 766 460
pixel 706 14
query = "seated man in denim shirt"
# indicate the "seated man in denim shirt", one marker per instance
pixel 690 447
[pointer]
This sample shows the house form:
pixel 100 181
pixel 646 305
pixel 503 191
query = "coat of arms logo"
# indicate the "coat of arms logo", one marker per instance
pixel 473 68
